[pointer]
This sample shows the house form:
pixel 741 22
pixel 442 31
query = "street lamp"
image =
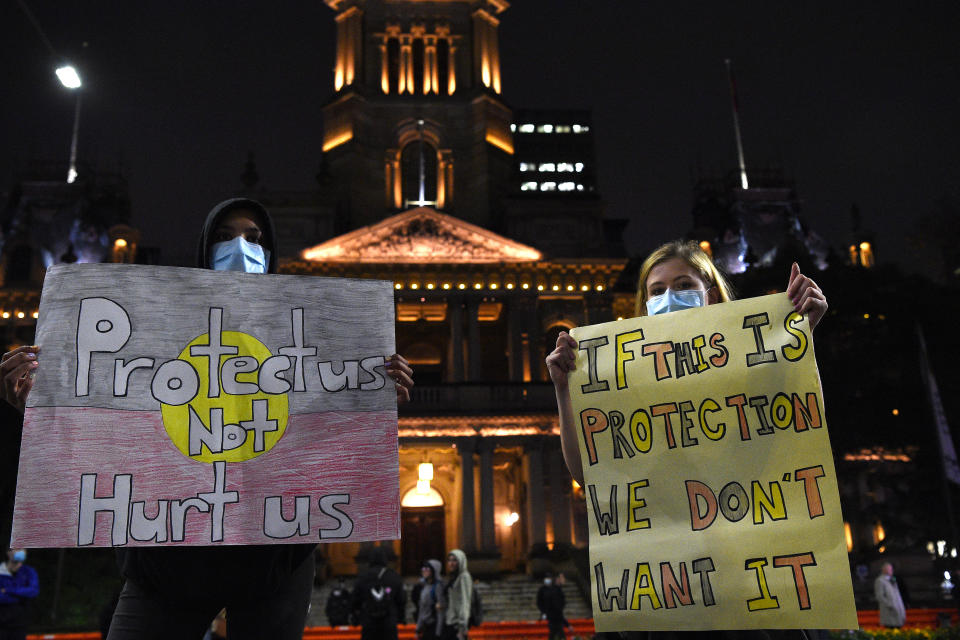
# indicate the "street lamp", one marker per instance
pixel 70 79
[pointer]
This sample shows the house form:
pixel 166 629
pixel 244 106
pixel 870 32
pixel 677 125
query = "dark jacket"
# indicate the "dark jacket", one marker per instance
pixel 338 607
pixel 551 601
pixel 378 596
pixel 242 571
pixel 11 428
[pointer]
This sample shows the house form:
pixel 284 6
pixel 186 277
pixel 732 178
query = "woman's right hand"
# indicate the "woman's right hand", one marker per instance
pixel 562 360
pixel 17 369
pixel 560 363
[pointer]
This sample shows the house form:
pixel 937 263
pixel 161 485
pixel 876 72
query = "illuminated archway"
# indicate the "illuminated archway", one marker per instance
pixel 416 497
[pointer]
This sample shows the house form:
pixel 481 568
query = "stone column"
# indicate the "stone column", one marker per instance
pixel 468 535
pixel 353 49
pixel 536 524
pixel 455 312
pixel 534 338
pixel 473 341
pixel 452 77
pixel 515 339
pixel 488 539
pixel 494 49
pixel 341 55
pixel 559 498
pixel 384 77
pixel 430 66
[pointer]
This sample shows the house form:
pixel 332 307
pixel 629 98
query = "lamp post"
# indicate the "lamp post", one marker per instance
pixel 70 79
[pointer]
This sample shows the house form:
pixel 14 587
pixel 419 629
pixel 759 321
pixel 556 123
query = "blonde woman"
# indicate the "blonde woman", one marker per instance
pixel 678 275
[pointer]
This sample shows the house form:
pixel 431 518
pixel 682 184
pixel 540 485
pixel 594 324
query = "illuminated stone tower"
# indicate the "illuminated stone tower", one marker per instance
pixel 417 119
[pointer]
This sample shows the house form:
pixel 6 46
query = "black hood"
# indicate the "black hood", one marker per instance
pixel 269 240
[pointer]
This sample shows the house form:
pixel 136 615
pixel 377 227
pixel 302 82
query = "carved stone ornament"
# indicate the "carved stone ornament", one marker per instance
pixel 421 235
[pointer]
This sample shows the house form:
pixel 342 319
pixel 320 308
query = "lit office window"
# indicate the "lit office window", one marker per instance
pixel 528 186
pixel 579 187
pixel 566 186
pixel 578 167
pixel 562 128
pixel 547 167
pixel 513 127
pixel 544 128
pixel 580 128
pixel 528 166
pixel 564 166
pixel 526 128
pixel 548 186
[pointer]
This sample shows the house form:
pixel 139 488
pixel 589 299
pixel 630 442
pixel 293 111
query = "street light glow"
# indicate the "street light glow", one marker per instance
pixel 69 77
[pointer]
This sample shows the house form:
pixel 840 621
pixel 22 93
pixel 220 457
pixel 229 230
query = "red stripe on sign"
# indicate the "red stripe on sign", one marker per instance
pixel 343 463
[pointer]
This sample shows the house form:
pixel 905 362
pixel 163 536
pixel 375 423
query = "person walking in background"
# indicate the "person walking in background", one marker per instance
pixel 338 605
pixel 892 612
pixel 550 602
pixel 459 592
pixel 429 601
pixel 18 586
pixel 379 599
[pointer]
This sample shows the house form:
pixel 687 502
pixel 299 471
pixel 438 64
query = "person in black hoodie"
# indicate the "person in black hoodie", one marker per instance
pixel 379 599
pixel 338 605
pixel 175 592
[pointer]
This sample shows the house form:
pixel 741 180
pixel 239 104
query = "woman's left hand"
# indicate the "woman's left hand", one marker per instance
pixel 806 296
pixel 399 369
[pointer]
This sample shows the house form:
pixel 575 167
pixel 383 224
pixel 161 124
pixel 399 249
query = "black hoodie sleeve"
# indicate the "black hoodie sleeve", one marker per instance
pixel 11 430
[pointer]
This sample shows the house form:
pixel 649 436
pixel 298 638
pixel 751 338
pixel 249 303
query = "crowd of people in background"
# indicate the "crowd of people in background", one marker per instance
pixel 445 605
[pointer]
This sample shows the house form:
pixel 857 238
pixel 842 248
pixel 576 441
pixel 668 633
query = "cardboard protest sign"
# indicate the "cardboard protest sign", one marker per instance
pixel 193 407
pixel 711 491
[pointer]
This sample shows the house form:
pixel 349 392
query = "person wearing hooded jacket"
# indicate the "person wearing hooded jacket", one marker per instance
pixel 459 591
pixel 430 601
pixel 175 592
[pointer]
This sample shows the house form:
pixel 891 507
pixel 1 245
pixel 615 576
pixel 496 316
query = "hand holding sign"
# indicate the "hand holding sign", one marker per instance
pixel 16 374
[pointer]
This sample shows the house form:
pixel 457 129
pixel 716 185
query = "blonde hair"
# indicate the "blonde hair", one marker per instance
pixel 691 253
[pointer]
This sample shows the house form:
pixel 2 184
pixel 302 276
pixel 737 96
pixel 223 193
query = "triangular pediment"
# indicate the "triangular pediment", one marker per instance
pixel 421 235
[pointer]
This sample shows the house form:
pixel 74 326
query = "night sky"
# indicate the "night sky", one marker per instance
pixel 856 101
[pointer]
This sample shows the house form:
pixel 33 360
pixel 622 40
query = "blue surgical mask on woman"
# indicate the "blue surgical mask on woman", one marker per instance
pixel 671 300
pixel 239 255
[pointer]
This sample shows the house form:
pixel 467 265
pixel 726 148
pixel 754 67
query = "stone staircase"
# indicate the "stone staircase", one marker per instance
pixel 511 597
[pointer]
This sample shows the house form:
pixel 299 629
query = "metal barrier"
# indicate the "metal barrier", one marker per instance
pixel 537 629
pixel 533 629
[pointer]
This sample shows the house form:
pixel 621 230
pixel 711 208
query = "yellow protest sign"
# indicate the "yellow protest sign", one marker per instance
pixel 711 491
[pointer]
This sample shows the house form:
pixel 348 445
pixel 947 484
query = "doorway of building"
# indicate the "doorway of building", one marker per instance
pixel 422 531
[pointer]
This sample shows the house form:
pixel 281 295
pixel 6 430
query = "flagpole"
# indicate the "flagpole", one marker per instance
pixel 736 124
pixel 949 468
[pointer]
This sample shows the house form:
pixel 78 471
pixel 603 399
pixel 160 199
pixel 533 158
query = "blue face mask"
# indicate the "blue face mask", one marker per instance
pixel 675 301
pixel 239 255
pixel 19 556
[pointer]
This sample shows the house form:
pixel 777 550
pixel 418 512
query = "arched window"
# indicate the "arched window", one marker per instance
pixel 419 174
pixel 426 497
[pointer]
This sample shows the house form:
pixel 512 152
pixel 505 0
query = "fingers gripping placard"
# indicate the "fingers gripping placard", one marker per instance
pixel 711 492
pixel 240 416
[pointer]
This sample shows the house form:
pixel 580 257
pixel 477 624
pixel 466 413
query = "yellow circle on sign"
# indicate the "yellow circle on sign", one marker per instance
pixel 232 428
